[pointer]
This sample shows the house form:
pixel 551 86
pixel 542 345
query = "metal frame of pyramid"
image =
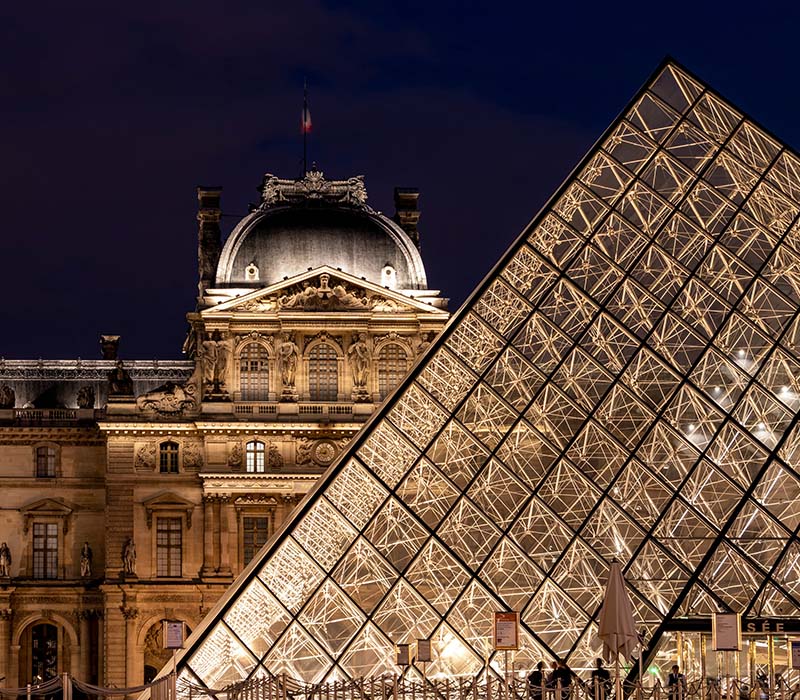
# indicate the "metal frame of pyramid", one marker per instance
pixel 625 383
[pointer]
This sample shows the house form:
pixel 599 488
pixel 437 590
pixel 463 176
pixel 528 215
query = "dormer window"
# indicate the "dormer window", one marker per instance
pixel 251 272
pixel 389 277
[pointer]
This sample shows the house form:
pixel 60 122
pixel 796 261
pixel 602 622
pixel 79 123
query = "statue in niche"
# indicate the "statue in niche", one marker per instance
pixel 119 381
pixel 86 560
pixel 86 397
pixel 215 353
pixel 5 561
pixel 287 360
pixel 7 397
pixel 129 557
pixel 358 356
pixel 427 339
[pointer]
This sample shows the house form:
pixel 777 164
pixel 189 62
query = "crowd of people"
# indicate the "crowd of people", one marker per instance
pixel 560 678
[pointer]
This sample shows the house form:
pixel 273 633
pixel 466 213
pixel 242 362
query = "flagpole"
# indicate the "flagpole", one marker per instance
pixel 305 131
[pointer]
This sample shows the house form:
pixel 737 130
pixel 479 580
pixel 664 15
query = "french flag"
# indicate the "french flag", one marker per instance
pixel 305 124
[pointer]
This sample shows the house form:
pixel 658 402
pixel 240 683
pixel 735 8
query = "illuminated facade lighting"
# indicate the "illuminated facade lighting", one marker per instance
pixel 570 414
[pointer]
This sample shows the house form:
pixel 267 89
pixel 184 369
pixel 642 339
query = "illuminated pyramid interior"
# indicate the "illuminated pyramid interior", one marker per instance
pixel 625 383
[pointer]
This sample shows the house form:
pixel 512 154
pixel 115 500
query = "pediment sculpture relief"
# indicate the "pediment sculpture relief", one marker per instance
pixel 324 297
pixel 169 399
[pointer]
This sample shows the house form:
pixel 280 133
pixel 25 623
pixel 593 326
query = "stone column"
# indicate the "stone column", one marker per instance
pixel 84 670
pixel 226 535
pixel 208 537
pixel 12 679
pixel 5 643
pixel 130 614
pixel 114 642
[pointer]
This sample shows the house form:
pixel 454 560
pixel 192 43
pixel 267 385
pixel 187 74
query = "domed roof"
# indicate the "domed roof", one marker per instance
pixel 308 223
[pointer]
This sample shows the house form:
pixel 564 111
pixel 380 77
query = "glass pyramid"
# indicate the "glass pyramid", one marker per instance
pixel 624 384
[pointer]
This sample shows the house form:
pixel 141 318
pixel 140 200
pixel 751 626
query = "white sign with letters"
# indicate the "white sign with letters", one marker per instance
pixel 173 634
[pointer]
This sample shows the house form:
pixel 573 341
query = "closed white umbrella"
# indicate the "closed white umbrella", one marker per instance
pixel 617 629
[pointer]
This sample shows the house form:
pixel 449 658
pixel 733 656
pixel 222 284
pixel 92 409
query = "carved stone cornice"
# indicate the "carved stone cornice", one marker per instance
pixel 268 502
pixel 88 370
pixel 244 483
pixel 87 614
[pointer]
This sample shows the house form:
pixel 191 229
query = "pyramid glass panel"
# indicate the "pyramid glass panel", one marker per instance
pixel 623 385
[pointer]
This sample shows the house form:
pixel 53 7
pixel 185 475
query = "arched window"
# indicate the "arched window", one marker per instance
pixel 168 457
pixel 323 373
pixel 392 367
pixel 254 373
pixel 255 454
pixel 44 652
pixel 45 461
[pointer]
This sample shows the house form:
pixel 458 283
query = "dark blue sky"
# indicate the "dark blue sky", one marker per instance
pixel 112 114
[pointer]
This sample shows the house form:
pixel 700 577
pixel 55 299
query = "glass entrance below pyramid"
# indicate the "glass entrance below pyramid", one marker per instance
pixel 761 670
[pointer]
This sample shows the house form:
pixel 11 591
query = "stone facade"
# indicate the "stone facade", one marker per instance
pixel 135 492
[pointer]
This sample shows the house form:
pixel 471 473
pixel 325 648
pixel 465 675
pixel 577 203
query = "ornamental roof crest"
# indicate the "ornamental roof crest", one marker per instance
pixel 276 191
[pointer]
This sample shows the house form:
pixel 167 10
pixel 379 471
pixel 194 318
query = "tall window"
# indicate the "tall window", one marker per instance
pixel 168 547
pixel 255 456
pixel 45 461
pixel 168 457
pixel 254 372
pixel 256 532
pixel 45 550
pixel 392 367
pixel 323 373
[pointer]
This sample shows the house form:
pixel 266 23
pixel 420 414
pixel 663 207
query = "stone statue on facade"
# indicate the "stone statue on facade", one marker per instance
pixel 7 397
pixel 358 357
pixel 86 397
pixel 323 298
pixel 109 346
pixel 86 560
pixel 214 353
pixel 119 381
pixel 287 363
pixel 5 561
pixel 129 557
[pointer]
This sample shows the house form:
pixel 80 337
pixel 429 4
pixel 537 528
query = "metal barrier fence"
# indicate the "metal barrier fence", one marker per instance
pixel 394 687
pixel 66 687
pixel 487 688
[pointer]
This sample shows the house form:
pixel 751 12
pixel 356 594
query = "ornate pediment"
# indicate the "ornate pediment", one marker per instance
pixel 324 290
pixel 168 502
pixel 46 508
pixel 276 191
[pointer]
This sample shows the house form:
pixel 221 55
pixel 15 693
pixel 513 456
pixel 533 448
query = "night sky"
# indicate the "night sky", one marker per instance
pixel 112 113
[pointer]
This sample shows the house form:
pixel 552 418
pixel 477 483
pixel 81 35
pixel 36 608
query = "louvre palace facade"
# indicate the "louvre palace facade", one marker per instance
pixel 624 384
pixel 136 491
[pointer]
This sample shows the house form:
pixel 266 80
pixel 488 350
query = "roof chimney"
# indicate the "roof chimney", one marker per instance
pixel 209 238
pixel 406 211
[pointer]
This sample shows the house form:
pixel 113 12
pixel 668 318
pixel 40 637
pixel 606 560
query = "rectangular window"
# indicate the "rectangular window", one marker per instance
pixel 256 533
pixel 168 546
pixel 45 550
pixel 168 458
pixel 45 462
